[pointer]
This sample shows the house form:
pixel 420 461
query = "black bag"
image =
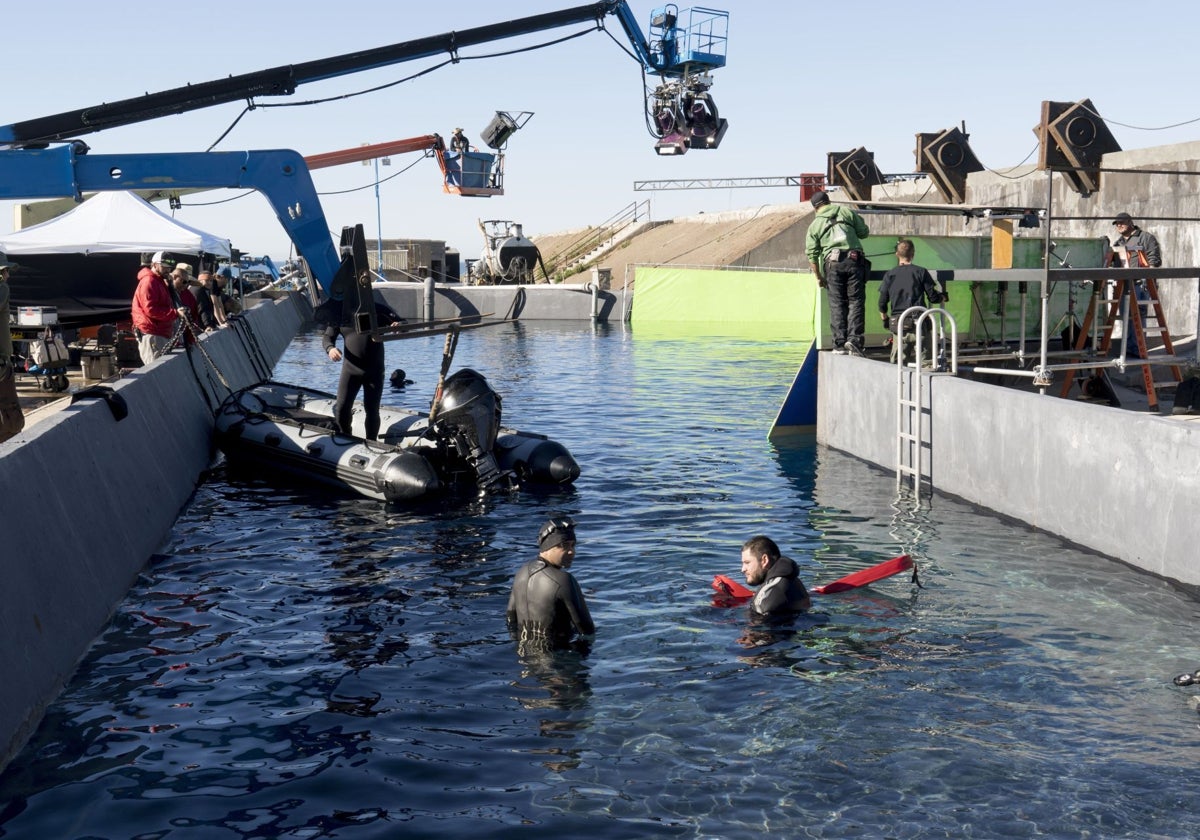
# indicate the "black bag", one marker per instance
pixel 12 421
pixel 1187 396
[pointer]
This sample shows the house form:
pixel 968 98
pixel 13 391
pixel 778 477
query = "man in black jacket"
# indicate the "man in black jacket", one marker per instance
pixel 1141 249
pixel 905 286
pixel 782 591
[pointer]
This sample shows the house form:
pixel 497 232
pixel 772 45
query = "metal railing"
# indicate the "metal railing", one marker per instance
pixel 576 252
pixel 910 412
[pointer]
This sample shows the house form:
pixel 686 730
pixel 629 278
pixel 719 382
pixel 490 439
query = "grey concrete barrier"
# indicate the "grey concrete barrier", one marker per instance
pixel 1122 483
pixel 89 498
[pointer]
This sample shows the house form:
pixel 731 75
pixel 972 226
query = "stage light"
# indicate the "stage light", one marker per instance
pixel 711 139
pixel 496 133
pixel 687 122
pixel 672 144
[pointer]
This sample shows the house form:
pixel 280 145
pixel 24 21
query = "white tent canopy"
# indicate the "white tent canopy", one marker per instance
pixel 113 223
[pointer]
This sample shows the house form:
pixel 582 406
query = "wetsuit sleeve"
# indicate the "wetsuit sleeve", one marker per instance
pixel 578 609
pixel 329 337
pixel 510 613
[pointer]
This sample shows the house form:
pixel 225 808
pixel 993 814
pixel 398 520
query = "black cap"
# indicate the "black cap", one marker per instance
pixel 557 530
pixel 1123 218
pixel 819 197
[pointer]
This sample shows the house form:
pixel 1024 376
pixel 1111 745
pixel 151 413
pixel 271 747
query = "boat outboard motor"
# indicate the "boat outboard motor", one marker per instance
pixel 469 415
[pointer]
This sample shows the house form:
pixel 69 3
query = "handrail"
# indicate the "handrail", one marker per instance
pixel 576 250
pixel 910 437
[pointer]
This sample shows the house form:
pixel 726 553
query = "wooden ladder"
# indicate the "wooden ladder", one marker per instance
pixel 1128 289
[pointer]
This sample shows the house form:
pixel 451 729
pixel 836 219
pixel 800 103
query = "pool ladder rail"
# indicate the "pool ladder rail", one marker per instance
pixel 910 385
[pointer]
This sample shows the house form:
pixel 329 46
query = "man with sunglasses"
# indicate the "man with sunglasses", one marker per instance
pixel 546 606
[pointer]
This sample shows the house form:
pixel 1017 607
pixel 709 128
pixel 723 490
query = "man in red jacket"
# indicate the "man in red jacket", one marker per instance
pixel 154 312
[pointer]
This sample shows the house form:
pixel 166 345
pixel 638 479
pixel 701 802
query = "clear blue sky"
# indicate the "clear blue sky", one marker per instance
pixel 802 79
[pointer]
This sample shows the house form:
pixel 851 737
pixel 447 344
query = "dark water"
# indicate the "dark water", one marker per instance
pixel 294 666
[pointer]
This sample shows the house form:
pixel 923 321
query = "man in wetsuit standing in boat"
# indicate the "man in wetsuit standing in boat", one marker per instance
pixel 362 359
pixel 782 591
pixel 546 605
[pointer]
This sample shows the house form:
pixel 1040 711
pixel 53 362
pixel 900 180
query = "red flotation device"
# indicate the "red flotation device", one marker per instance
pixel 731 593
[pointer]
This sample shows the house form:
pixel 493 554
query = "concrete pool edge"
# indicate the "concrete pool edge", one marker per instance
pixel 98 495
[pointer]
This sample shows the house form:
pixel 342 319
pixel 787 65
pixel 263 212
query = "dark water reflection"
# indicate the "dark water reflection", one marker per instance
pixel 297 666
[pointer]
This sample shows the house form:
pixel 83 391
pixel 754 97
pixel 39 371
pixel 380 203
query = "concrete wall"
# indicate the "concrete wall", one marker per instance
pixel 783 250
pixel 89 499
pixel 566 301
pixel 1122 483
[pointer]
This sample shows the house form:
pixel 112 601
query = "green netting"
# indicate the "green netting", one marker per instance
pixel 716 299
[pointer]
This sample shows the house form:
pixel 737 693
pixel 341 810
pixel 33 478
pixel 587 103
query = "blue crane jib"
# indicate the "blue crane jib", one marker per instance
pixel 682 48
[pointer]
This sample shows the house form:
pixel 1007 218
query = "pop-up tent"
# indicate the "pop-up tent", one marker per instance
pixel 85 262
pixel 113 223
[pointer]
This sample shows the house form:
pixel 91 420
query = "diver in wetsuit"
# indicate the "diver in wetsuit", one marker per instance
pixel 782 593
pixel 547 605
pixel 362 359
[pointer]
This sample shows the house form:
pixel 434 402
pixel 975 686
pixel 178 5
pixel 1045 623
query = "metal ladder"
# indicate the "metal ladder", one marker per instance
pixel 910 384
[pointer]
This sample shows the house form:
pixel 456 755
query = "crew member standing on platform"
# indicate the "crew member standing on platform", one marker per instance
pixel 459 142
pixel 203 292
pixel 833 245
pixel 181 279
pixel 905 286
pixel 154 313
pixel 1134 241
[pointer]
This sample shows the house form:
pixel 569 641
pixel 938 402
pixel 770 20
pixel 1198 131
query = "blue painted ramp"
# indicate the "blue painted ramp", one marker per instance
pixel 799 411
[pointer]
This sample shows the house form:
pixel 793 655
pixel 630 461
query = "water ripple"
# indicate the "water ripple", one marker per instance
pixel 293 665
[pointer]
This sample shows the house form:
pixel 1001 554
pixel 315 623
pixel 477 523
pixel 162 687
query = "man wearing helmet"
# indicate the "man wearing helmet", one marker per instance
pixel 547 605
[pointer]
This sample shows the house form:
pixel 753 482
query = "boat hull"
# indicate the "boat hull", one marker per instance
pixel 289 430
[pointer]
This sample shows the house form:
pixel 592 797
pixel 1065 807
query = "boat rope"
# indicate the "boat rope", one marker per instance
pixel 212 364
pixel 249 340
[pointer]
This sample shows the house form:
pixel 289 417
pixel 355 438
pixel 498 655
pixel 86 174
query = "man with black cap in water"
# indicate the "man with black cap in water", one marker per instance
pixel 546 605
pixel 1141 249
pixel 833 245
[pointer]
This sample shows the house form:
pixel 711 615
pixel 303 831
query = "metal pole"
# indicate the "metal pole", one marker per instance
pixel 1043 358
pixel 378 224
